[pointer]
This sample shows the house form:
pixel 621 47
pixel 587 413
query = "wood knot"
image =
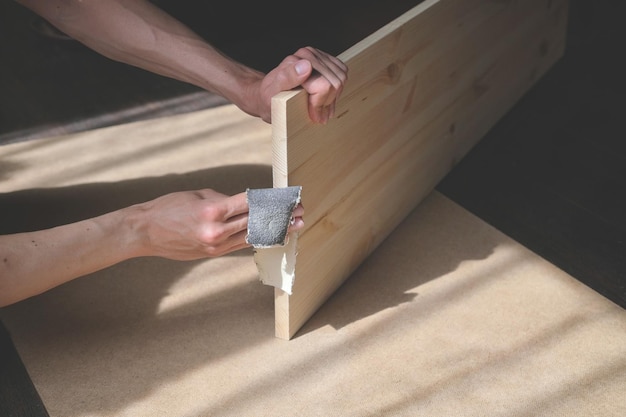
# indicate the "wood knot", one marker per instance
pixel 393 72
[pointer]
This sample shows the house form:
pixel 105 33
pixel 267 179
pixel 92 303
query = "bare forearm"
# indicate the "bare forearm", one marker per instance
pixel 34 262
pixel 186 225
pixel 140 34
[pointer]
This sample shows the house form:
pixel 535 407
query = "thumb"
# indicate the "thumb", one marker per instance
pixel 297 73
pixel 303 68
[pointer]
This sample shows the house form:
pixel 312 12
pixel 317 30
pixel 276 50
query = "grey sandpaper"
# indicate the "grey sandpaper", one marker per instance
pixel 270 214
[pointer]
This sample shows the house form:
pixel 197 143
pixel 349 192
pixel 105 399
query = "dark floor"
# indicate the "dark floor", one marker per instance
pixel 551 174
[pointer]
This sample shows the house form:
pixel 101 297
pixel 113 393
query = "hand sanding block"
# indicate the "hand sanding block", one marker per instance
pixel 269 217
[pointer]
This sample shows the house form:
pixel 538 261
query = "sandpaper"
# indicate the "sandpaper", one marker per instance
pixel 270 214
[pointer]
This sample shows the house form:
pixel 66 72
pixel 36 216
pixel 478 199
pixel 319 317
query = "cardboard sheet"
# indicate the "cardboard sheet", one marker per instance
pixel 447 317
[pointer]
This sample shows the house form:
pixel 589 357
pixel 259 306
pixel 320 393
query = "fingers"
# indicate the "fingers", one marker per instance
pixel 236 205
pixel 227 232
pixel 225 221
pixel 297 222
pixel 233 243
pixel 325 85
pixel 322 76
pixel 330 67
pixel 197 224
pixel 298 211
pixel 291 73
pixel 297 225
pixel 235 231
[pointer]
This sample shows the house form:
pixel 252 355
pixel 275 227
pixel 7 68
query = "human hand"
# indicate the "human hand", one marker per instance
pixel 196 224
pixel 322 76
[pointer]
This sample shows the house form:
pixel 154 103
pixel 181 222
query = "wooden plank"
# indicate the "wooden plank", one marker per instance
pixel 422 91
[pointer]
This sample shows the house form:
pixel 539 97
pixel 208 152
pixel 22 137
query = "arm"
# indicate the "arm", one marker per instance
pixel 181 226
pixel 138 33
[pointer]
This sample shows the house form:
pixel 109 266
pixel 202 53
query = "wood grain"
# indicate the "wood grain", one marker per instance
pixel 422 91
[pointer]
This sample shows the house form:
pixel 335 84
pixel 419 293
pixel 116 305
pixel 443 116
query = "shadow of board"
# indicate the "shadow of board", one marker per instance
pixel 430 243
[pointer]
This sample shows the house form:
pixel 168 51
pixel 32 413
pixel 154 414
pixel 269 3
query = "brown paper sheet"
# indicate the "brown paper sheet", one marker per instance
pixel 447 317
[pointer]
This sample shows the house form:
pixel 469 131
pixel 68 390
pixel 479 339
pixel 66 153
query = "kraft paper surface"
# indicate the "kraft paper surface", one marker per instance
pixel 447 317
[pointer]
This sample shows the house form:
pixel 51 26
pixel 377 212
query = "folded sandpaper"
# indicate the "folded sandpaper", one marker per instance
pixel 269 217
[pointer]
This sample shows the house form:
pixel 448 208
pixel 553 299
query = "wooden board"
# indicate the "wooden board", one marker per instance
pixel 422 91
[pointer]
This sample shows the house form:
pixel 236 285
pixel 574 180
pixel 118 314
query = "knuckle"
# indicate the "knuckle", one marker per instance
pixel 305 52
pixel 212 252
pixel 212 212
pixel 290 59
pixel 212 235
pixel 322 85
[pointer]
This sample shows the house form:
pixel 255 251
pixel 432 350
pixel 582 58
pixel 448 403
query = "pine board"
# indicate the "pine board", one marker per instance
pixel 422 91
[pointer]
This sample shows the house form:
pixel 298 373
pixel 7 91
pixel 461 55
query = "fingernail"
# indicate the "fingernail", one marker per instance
pixel 302 67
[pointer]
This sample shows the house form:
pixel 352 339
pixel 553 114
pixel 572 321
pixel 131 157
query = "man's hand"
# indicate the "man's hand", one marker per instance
pixel 322 76
pixel 195 224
